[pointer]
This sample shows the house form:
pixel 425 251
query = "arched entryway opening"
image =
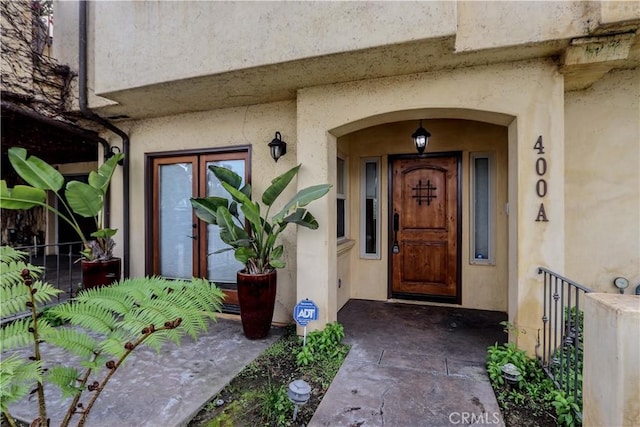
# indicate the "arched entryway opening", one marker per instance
pixel 431 228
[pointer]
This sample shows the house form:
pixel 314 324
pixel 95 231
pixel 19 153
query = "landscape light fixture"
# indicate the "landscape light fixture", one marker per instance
pixel 278 147
pixel 421 139
pixel 511 373
pixel 299 392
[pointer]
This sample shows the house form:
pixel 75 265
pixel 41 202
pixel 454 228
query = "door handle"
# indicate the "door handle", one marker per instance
pixel 195 236
pixel 396 225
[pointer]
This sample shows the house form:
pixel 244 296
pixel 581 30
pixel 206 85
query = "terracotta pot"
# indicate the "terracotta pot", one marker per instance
pixel 256 297
pixel 100 273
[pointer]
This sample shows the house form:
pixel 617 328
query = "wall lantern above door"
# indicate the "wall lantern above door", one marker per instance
pixel 278 147
pixel 421 138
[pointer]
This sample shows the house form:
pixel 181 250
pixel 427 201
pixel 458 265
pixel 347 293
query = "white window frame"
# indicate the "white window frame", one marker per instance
pixel 363 201
pixel 343 196
pixel 490 260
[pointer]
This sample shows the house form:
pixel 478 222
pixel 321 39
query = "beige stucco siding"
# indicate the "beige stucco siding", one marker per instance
pixel 207 38
pixel 490 24
pixel 252 125
pixel 602 192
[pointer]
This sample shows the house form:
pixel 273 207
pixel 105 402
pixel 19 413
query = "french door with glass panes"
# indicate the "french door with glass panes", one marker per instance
pixel 183 246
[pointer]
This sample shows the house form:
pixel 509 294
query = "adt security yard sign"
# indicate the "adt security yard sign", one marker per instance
pixel 304 312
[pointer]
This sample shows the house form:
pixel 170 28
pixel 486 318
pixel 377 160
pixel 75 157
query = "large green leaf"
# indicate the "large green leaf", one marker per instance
pixel 226 175
pixel 237 194
pixel 243 254
pixel 206 208
pixel 275 260
pixel 20 196
pixel 84 199
pixel 302 217
pixel 303 198
pixel 104 233
pixel 35 171
pixel 278 185
pixel 246 190
pixel 100 179
pixel 252 212
pixel 229 229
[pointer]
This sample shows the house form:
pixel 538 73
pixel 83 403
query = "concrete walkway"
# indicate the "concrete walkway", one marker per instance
pixel 412 365
pixel 160 390
pixel 409 365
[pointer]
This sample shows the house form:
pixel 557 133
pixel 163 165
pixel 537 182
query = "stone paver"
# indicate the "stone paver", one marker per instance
pixel 413 365
pixel 161 390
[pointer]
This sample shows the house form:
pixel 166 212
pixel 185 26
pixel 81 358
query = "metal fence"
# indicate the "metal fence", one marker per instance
pixel 61 267
pixel 560 349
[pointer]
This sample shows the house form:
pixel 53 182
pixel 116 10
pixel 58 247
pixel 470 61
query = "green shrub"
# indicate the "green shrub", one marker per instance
pixel 275 407
pixel 325 344
pixel 535 390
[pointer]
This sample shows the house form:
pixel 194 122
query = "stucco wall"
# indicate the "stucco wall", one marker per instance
pixel 526 96
pixel 619 11
pixel 254 125
pixel 483 286
pixel 489 24
pixel 602 188
pixel 205 38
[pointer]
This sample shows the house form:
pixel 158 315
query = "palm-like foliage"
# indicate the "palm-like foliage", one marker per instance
pixel 257 249
pixel 86 200
pixel 106 325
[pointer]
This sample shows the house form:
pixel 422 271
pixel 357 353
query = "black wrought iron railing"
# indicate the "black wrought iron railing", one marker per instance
pixel 61 267
pixel 560 348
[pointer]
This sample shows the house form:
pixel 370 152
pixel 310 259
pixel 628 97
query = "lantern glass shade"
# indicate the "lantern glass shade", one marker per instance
pixel 421 138
pixel 277 147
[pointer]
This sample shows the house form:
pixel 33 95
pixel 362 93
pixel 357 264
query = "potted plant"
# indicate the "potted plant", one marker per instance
pixel 99 266
pixel 256 246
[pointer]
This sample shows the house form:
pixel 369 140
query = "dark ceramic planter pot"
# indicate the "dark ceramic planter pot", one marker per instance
pixel 100 273
pixel 256 297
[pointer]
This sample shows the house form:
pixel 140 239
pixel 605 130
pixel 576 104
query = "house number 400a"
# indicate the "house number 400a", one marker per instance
pixel 541 184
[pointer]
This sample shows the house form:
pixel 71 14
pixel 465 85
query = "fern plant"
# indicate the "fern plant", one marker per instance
pixel 106 325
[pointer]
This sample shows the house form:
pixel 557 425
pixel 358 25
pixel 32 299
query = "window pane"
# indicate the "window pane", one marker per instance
pixel 221 267
pixel 371 208
pixel 481 208
pixel 341 218
pixel 340 177
pixel 175 216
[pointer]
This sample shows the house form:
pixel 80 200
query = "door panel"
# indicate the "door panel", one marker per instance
pixel 175 227
pixel 221 267
pixel 424 196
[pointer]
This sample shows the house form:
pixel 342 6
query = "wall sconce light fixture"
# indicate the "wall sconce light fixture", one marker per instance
pixel 421 138
pixel 112 152
pixel 277 147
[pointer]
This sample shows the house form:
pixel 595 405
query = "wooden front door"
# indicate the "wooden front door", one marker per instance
pixel 424 247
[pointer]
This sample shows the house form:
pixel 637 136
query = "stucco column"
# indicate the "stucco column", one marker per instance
pixel 611 372
pixel 536 167
pixel 316 249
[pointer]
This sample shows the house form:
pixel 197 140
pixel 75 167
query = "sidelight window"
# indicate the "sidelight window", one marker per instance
pixel 370 211
pixel 341 194
pixel 482 215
